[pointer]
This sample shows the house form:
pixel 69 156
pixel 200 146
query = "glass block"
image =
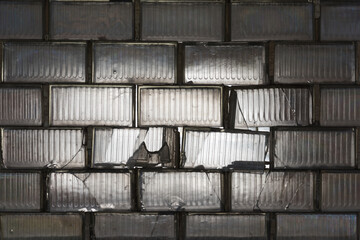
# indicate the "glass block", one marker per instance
pixel 91 191
pixel 40 148
pixel 226 227
pixel 308 64
pixel 174 191
pixel 233 149
pixel 265 107
pixel 339 106
pixel 20 191
pixel 180 106
pixel 340 21
pixel 21 19
pixel 340 192
pixel 91 20
pixel 272 191
pixel 271 21
pixel 182 21
pixel 20 106
pixel 110 226
pixel 315 149
pixel 44 62
pixel 225 64
pixel 41 226
pixel 134 63
pixel 316 226
pixel 91 105
pixel 134 147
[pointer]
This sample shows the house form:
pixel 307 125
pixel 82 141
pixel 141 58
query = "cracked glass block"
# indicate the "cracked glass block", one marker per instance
pixel 20 106
pixel 314 148
pixel 182 20
pixel 20 191
pixel 265 107
pixel 271 21
pixel 340 21
pixel 316 226
pixel 21 19
pixel 174 191
pixel 225 64
pixel 91 105
pixel 340 192
pixel 147 63
pixel 234 149
pixel 41 226
pixel 134 147
pixel 89 192
pixel 44 62
pixel 91 20
pixel 308 64
pixel 180 106
pixel 109 226
pixel 339 106
pixel 272 191
pixel 226 226
pixel 40 148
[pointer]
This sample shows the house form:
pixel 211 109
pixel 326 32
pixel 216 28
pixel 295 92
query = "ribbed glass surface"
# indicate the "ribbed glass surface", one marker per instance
pixel 21 19
pixel 109 226
pixel 225 64
pixel 340 192
pixel 267 107
pixel 91 20
pixel 20 192
pixel 315 149
pixel 226 227
pixel 308 64
pixel 172 191
pixel 339 22
pixel 89 191
pixel 221 149
pixel 180 106
pixel 272 191
pixel 44 62
pixel 271 21
pixel 91 105
pixel 182 21
pixel 20 106
pixel 41 226
pixel 135 63
pixel 339 106
pixel 39 148
pixel 316 226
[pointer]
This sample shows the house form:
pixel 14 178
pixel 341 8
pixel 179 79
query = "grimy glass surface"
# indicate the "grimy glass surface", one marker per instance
pixel 179 119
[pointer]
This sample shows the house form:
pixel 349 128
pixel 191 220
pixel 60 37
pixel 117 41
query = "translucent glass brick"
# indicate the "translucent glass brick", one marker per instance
pixel 271 21
pixel 99 105
pixel 89 191
pixel 134 63
pixel 210 149
pixel 91 20
pixel 173 191
pixel 44 62
pixel 182 20
pixel 310 64
pixel 40 148
pixel 272 191
pixel 180 106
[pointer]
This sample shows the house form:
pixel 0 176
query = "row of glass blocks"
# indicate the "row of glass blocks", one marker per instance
pixel 108 226
pixel 178 21
pixel 65 148
pixel 198 106
pixel 168 190
pixel 155 63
